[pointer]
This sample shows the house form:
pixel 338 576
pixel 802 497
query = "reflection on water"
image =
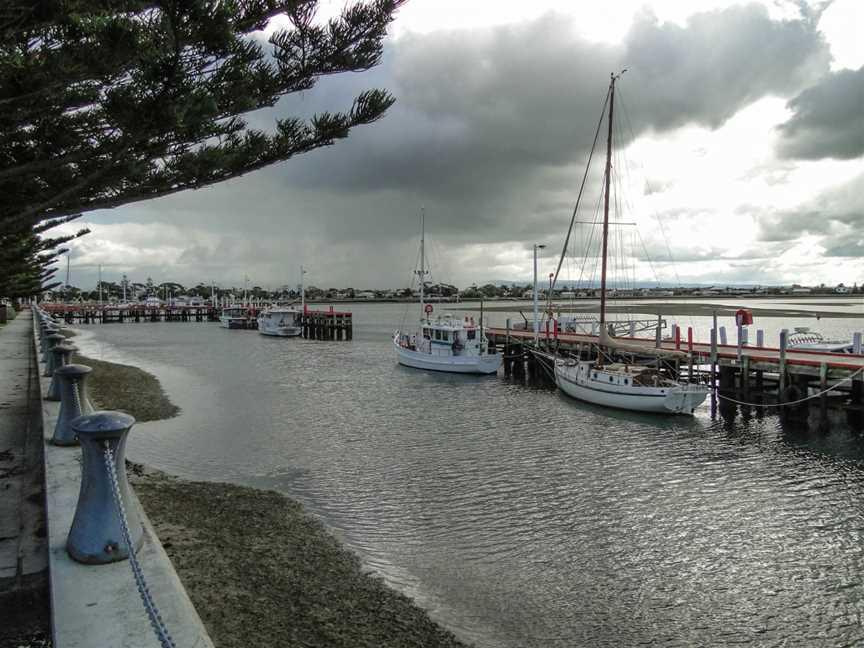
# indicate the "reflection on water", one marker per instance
pixel 517 516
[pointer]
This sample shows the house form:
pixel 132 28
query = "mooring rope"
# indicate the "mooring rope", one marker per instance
pixel 848 378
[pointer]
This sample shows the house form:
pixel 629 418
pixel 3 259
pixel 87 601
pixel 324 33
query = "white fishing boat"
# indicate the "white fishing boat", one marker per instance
pixel 447 343
pixel 281 322
pixel 615 378
pixel 284 321
pixel 234 317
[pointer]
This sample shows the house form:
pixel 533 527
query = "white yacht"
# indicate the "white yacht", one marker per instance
pixel 281 322
pixel 447 343
pixel 803 339
pixel 234 317
pixel 625 385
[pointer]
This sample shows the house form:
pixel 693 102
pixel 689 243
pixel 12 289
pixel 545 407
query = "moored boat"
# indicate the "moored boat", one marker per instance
pixel 804 339
pixel 281 322
pixel 234 317
pixel 447 343
pixel 616 379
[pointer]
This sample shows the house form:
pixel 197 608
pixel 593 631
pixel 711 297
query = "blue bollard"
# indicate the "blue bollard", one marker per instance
pixel 45 331
pixel 53 340
pixel 73 401
pixel 96 536
pixel 50 341
pixel 62 356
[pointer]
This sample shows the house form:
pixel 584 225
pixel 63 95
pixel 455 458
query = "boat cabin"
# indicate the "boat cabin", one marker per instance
pixel 447 336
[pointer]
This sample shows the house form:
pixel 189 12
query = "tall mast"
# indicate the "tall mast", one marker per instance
pixel 421 273
pixel 606 205
pixel 302 290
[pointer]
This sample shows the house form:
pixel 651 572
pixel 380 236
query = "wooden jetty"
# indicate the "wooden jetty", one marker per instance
pixel 109 314
pixel 754 374
pixel 317 324
pixel 327 325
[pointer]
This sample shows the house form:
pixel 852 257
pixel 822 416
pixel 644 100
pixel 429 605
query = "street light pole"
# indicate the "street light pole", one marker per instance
pixel 536 307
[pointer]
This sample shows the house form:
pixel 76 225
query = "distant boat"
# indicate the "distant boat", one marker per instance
pixel 281 322
pixel 447 343
pixel 622 384
pixel 803 339
pixel 234 317
pixel 285 321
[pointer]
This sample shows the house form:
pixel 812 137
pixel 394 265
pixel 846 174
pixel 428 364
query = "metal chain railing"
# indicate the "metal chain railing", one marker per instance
pixel 156 622
pixel 76 396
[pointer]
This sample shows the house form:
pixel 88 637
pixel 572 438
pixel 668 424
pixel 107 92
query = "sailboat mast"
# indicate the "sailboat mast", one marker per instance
pixel 606 206
pixel 422 271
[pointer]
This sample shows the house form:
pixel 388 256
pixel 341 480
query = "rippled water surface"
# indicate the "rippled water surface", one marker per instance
pixel 519 517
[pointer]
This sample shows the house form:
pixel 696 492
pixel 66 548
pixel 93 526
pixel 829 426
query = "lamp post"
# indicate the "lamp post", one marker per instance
pixel 537 246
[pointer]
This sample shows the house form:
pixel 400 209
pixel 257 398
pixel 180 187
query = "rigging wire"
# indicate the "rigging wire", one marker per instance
pixel 581 188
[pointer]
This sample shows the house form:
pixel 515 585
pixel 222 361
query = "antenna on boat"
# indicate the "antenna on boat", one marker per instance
pixel 302 291
pixel 421 273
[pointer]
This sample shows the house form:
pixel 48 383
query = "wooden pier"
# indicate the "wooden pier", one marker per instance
pixel 317 324
pixel 328 325
pixel 109 314
pixel 753 375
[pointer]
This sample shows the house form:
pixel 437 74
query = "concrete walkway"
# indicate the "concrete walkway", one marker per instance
pixel 23 543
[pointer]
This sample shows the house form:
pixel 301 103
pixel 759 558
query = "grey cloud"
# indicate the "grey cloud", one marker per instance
pixel 828 119
pixel 490 133
pixel 837 215
pixel 718 63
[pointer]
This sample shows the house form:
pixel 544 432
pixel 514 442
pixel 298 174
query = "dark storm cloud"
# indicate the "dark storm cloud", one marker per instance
pixel 490 133
pixel 479 110
pixel 836 215
pixel 828 120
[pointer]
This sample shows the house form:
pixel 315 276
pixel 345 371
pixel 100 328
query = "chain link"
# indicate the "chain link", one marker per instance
pixel 156 622
pixel 76 397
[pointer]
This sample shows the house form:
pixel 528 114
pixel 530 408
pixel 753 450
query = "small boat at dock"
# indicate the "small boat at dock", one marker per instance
pixel 234 317
pixel 618 376
pixel 447 343
pixel 281 322
pixel 804 339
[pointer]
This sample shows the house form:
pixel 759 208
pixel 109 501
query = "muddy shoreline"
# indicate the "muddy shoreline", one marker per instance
pixel 259 569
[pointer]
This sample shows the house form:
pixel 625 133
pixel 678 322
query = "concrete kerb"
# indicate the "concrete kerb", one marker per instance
pixel 99 605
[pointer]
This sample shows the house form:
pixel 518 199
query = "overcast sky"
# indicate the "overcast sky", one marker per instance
pixel 742 141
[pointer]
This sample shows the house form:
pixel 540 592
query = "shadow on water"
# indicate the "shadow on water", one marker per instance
pixel 832 433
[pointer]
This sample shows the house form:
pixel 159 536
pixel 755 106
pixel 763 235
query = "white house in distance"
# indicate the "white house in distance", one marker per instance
pixel 842 290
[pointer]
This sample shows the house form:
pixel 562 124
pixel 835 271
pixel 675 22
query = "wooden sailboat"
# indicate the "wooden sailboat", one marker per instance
pixel 624 385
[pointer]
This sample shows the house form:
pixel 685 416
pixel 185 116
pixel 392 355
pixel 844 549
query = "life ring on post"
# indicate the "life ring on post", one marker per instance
pixel 743 317
pixel 428 309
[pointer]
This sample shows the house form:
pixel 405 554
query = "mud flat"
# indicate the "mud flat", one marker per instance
pixel 258 568
pixel 674 308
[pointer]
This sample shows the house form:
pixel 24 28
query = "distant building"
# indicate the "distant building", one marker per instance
pixel 842 290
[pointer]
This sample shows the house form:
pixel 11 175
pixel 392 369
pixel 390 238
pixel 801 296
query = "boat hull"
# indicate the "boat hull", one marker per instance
pixel 682 399
pixel 484 364
pixel 292 332
pixel 232 322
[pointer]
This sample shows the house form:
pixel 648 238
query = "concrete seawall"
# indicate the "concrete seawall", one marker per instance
pixel 99 605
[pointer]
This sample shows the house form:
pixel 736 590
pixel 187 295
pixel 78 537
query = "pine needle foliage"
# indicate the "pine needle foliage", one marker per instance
pixel 107 102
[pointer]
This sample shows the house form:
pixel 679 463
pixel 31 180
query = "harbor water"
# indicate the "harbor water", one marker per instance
pixel 516 516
